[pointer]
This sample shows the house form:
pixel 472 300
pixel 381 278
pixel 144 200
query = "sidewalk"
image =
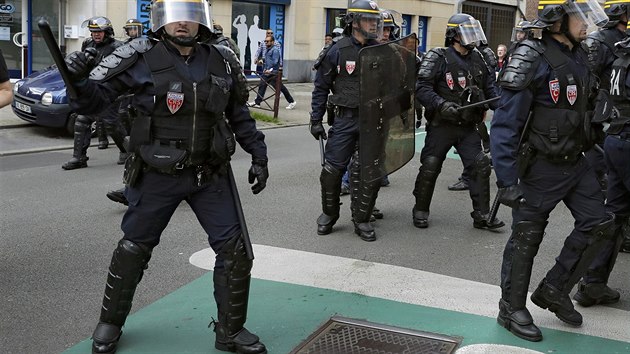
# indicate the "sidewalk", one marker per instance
pixel 301 92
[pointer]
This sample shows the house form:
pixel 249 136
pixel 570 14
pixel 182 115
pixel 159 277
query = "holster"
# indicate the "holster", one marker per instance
pixel 525 158
pixel 330 113
pixel 133 170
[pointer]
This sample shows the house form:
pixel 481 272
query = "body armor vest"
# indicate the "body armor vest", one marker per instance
pixel 460 78
pixel 346 85
pixel 619 94
pixel 557 132
pixel 186 109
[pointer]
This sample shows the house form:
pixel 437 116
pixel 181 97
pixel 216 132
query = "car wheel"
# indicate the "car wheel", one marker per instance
pixel 70 126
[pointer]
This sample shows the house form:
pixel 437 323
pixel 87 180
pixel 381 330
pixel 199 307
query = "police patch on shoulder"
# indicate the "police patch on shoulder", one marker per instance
pixel 554 90
pixel 572 93
pixel 174 101
pixel 350 66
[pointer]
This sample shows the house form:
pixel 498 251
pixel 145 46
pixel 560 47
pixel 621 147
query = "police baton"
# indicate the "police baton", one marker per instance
pixel 495 207
pixel 480 103
pixel 321 150
pixel 239 213
pixel 58 58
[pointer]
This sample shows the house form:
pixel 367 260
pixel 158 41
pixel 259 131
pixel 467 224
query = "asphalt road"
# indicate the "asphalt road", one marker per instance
pixel 57 232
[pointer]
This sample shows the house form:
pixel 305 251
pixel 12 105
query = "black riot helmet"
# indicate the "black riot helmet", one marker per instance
pixel 520 31
pixel 589 12
pixel 99 24
pixel 169 11
pixel 615 9
pixel 467 28
pixel 133 23
pixel 359 10
pixel 392 19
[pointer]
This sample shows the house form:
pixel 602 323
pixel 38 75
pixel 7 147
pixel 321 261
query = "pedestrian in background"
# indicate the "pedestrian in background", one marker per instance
pixel 270 75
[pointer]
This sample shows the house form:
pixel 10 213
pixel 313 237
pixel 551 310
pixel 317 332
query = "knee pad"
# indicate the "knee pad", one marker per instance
pixel 431 165
pixel 83 121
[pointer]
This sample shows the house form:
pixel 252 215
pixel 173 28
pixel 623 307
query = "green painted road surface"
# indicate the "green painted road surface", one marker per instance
pixel 294 292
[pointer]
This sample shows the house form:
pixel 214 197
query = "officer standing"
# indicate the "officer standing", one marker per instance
pixel 103 42
pixel 219 38
pixel 542 115
pixel 183 90
pixel 337 73
pixel 449 78
pixel 593 289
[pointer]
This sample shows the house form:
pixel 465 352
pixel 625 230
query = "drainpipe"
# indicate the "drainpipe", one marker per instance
pixel 62 22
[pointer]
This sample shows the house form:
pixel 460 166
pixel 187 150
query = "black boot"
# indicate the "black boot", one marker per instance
pixel 480 221
pixel 519 322
pixel 118 196
pixel 549 297
pixel 80 144
pixel 423 190
pixel 516 271
pixel 594 294
pixel 125 272
pixel 231 293
pixel 365 230
pixel 330 179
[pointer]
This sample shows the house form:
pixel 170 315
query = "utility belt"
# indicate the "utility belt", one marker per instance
pixel 335 111
pixel 527 155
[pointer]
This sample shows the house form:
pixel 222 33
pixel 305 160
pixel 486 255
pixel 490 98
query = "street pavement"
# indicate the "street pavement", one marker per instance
pixel 57 232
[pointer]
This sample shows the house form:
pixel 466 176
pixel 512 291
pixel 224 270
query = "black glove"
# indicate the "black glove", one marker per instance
pixel 259 172
pixel 512 196
pixel 317 130
pixel 449 110
pixel 80 64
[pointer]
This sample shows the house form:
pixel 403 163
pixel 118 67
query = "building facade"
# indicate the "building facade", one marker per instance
pixel 299 25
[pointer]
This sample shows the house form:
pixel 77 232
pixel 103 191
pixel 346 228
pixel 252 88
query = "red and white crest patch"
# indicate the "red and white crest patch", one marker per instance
pixel 572 94
pixel 554 90
pixel 449 80
pixel 461 81
pixel 350 65
pixel 174 101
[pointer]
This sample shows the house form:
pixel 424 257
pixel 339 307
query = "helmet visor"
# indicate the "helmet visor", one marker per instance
pixel 589 12
pixel 170 11
pixel 471 32
pixel 518 34
pixel 96 24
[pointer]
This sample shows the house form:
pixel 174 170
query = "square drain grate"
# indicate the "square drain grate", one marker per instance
pixel 347 336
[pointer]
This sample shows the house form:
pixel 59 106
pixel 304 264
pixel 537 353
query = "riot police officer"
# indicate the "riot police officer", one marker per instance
pixel 448 79
pixel 593 289
pixel 133 29
pixel 219 38
pixel 337 73
pixel 600 46
pixel 546 94
pixel 182 144
pixel 103 42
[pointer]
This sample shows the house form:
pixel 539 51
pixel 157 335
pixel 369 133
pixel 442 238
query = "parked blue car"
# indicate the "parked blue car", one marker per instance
pixel 41 99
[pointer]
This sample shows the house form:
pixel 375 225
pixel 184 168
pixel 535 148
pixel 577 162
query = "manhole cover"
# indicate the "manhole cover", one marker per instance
pixel 346 336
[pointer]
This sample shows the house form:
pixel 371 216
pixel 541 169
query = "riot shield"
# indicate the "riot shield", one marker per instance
pixel 386 115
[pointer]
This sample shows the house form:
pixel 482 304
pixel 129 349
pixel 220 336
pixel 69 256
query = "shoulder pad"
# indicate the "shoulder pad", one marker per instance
pixel 522 65
pixel 235 69
pixel 429 63
pixel 116 43
pixel 122 58
pixel 344 42
pixel 591 46
pixel 322 55
pixel 489 58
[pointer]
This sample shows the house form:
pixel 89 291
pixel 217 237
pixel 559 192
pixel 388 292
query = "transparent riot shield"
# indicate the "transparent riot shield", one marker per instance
pixel 386 114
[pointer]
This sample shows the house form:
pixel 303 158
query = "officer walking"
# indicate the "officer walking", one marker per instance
pixel 103 42
pixel 593 289
pixel 542 115
pixel 184 90
pixel 337 73
pixel 449 78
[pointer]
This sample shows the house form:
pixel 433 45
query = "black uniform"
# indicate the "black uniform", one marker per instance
pixel 447 77
pixel 107 119
pixel 593 288
pixel 180 102
pixel 546 93
pixel 337 73
pixel 600 46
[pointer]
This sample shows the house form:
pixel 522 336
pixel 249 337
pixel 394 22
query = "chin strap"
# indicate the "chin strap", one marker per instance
pixel 183 41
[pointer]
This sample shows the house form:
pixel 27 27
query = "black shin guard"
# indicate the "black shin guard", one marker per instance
pixel 125 272
pixel 425 182
pixel 231 292
pixel 527 236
